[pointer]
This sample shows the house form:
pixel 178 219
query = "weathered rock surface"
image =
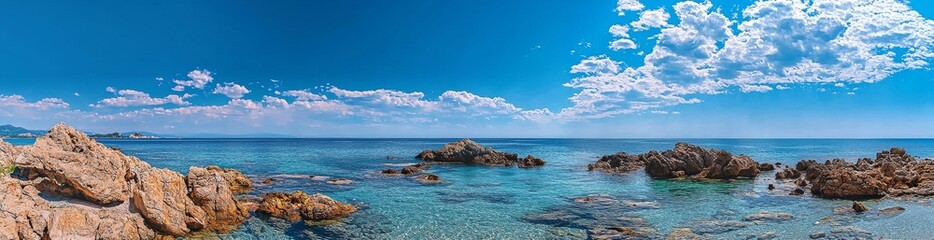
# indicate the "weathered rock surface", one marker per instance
pixel 682 161
pixel 161 197
pixel 766 167
pixel 531 161
pixel 859 207
pixel 893 173
pixel 787 173
pixel 411 170
pixel 212 189
pixel 468 151
pixel 68 156
pixel 102 194
pixel 7 153
pixel 298 206
pixel 428 179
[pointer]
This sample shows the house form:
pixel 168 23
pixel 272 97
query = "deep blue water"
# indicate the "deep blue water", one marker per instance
pixel 477 202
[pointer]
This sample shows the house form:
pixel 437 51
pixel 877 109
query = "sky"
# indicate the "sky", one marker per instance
pixel 422 68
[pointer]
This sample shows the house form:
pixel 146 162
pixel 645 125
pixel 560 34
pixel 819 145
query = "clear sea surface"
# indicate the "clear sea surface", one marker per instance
pixel 480 202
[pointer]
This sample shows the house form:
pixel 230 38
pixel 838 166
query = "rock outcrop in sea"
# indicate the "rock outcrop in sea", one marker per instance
pixel 68 186
pixel 301 206
pixel 685 160
pixel 891 173
pixel 468 151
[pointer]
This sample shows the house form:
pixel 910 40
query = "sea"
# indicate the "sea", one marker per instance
pixel 483 202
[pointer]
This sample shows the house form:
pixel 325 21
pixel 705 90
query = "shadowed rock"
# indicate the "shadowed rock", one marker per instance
pixel 468 151
pixel 213 191
pixel 531 161
pixel 682 161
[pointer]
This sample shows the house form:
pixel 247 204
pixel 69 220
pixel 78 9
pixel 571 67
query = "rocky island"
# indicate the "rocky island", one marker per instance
pixel 685 160
pixel 892 173
pixel 68 186
pixel 468 151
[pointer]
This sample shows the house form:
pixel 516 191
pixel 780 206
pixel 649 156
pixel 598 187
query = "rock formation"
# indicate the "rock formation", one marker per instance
pixel 892 173
pixel 298 206
pixel 684 160
pixel 468 151
pixel 531 161
pixel 103 194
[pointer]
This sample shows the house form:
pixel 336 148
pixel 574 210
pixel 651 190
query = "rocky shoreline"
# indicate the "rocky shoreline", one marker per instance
pixel 685 160
pixel 68 186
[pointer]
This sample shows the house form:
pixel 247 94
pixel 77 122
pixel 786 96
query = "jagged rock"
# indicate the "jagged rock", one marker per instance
pixel 797 192
pixel 787 173
pixel 859 207
pixel 771 187
pixel 68 156
pixel 727 166
pixel 298 206
pixel 7 153
pixel 212 190
pixel 530 161
pixel 390 172
pixel 801 182
pixel 411 170
pixel 468 151
pixel 766 167
pixel 617 163
pixel 161 196
pixel 847 183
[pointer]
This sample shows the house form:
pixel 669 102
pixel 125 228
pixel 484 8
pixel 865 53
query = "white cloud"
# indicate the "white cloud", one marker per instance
pixel 127 98
pixel 76 94
pixel 754 88
pixel 596 65
pixel 196 79
pixel 778 43
pixel 19 102
pixel 304 95
pixel 385 97
pixel 651 19
pixel 110 90
pixel 782 87
pixel 471 103
pixel 231 90
pixel 622 41
pixel 275 102
pixel 628 5
pixel 839 85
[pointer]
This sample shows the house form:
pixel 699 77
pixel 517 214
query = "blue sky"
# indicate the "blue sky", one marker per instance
pixel 774 68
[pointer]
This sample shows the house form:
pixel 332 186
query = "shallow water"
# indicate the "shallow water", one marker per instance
pixel 477 202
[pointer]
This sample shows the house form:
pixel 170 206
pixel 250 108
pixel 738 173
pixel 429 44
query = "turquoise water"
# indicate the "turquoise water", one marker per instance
pixel 477 202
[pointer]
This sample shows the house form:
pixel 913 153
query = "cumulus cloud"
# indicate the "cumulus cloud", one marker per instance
pixel 596 65
pixel 231 90
pixel 651 19
pixel 622 6
pixel 196 79
pixel 622 41
pixel 386 97
pixel 127 98
pixel 778 43
pixel 19 102
pixel 304 95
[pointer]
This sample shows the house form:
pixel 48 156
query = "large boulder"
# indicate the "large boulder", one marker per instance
pixel 298 206
pixel 685 159
pixel 727 166
pixel 7 154
pixel 68 156
pixel 161 196
pixel 468 151
pixel 617 163
pixel 212 190
pixel 893 172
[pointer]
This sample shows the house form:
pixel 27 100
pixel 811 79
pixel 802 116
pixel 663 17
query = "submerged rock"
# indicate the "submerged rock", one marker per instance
pixel 340 181
pixel 769 216
pixel 684 234
pixel 859 207
pixel 531 161
pixel 411 170
pixel 717 226
pixel 468 151
pixel 429 179
pixel 298 206
pixel 390 172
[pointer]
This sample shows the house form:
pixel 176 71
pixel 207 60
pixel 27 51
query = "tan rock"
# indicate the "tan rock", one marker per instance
pixel 88 223
pixel 211 189
pixel 239 183
pixel 70 157
pixel 161 195
pixel 298 205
